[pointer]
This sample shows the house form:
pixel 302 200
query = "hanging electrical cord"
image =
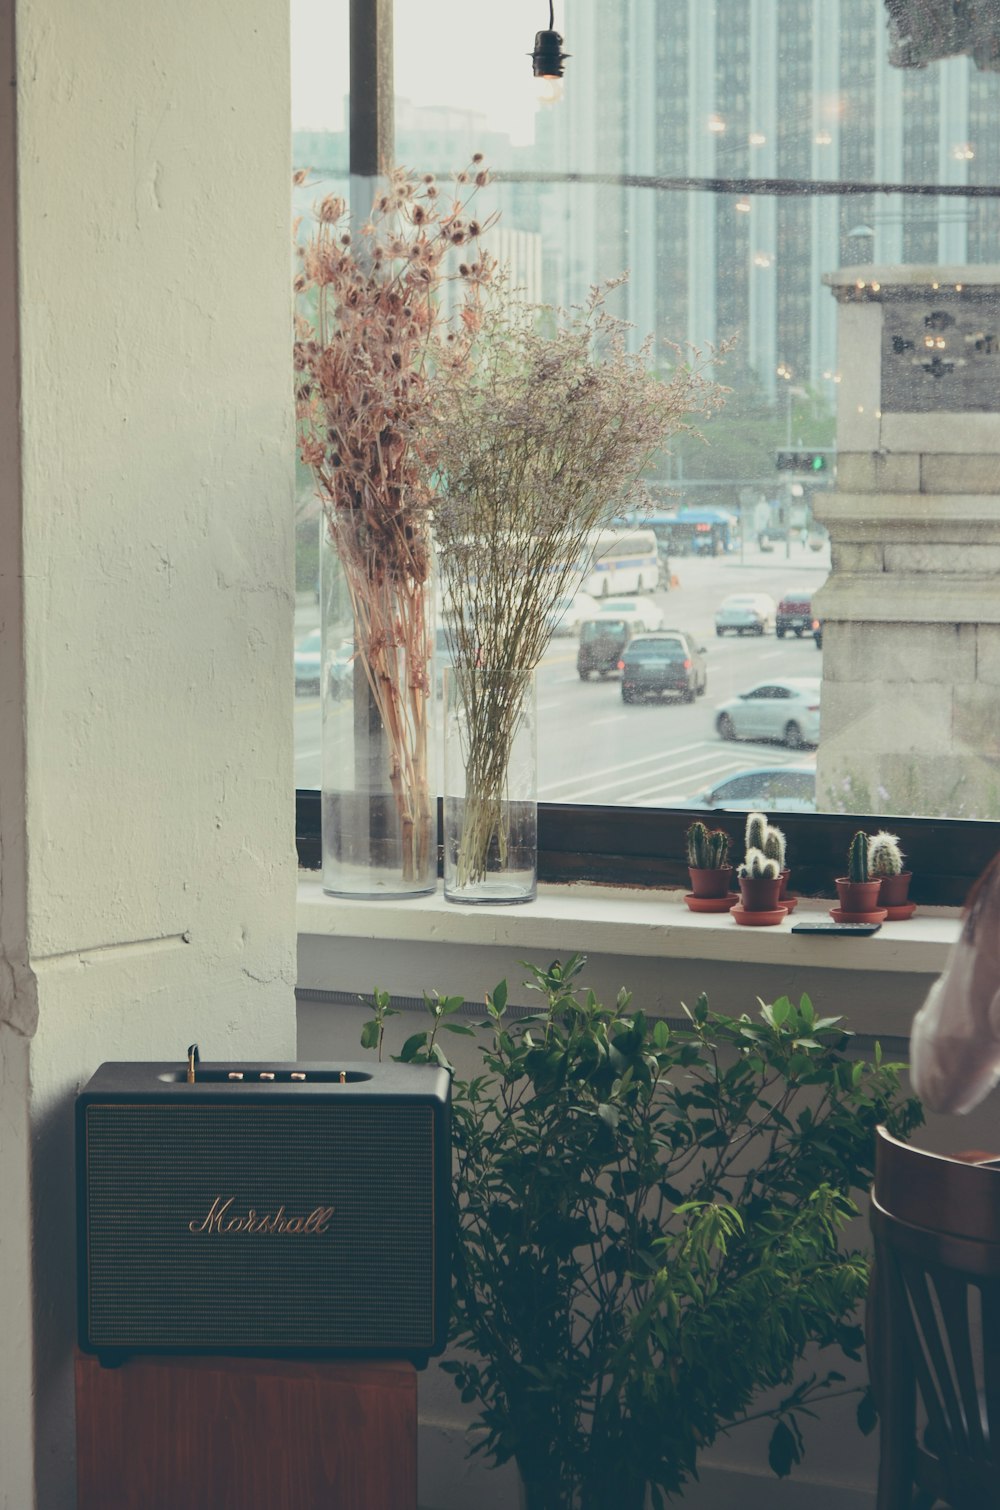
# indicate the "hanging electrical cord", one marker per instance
pixel 547 62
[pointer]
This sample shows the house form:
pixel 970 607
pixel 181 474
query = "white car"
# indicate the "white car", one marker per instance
pixel 630 608
pixel 792 788
pixel 570 611
pixel 746 613
pixel 785 710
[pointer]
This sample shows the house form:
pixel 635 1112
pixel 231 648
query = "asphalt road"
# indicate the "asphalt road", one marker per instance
pixel 594 748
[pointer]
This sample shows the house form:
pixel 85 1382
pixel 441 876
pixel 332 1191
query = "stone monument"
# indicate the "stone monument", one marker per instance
pixel 911 609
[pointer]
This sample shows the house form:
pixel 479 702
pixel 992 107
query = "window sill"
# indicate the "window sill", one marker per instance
pixel 605 920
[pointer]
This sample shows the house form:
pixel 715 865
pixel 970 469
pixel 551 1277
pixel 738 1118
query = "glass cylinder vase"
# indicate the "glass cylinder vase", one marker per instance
pixel 377 689
pixel 490 786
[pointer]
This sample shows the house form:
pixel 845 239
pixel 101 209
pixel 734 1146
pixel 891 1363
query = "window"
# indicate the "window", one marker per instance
pixel 787 178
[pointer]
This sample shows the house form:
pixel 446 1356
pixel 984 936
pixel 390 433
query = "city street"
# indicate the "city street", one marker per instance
pixel 594 748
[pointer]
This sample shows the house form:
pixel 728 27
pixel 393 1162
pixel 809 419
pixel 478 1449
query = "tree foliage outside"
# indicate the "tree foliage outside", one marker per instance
pixel 650 1230
pixel 738 445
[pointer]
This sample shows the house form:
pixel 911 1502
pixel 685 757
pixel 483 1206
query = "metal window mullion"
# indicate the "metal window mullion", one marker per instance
pixel 371 107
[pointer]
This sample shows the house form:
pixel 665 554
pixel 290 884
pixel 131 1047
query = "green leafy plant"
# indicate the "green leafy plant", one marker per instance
pixel 649 1229
pixel 857 858
pixel 885 858
pixel 757 864
pixel 707 849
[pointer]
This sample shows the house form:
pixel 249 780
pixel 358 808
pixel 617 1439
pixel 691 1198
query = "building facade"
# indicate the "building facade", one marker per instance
pixel 797 90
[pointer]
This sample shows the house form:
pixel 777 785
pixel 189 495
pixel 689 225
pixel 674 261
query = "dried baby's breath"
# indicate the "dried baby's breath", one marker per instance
pixel 541 430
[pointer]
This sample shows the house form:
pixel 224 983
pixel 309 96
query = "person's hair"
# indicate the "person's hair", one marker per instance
pixel 985 894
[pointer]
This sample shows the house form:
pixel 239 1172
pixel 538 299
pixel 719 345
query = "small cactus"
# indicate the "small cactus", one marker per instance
pixel 718 849
pixel 758 864
pixel 697 846
pixel 705 850
pixel 857 857
pixel 774 845
pixel 756 831
pixel 885 858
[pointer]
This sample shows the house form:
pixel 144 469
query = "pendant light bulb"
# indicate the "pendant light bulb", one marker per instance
pixel 548 88
pixel 547 63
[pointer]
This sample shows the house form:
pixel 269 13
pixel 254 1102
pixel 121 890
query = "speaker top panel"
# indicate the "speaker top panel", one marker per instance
pixel 295 1080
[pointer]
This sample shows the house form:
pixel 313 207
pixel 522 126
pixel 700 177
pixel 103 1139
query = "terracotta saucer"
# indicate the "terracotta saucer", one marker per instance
pixel 710 904
pixel 789 903
pixel 901 913
pixel 757 919
pixel 878 915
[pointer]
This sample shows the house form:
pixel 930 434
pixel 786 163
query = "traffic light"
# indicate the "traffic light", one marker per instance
pixel 804 461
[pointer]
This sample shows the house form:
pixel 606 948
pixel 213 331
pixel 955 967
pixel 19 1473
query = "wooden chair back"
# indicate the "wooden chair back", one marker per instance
pixel 934 1328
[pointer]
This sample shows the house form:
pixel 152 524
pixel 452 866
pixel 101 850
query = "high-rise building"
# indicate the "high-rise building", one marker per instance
pixel 797 90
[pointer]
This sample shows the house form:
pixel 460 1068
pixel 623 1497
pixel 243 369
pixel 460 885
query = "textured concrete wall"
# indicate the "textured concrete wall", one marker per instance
pixel 154 541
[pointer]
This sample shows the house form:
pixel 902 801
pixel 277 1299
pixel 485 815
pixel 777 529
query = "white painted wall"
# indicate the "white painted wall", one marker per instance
pixel 146 784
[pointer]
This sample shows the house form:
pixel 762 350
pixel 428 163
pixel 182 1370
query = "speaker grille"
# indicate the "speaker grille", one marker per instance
pixel 365 1282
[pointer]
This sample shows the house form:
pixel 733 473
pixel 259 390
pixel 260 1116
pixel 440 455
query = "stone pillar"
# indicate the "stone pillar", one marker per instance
pixel 911 610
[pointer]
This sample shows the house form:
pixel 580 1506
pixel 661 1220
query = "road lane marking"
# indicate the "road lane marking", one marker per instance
pixel 585 783
pixel 710 777
pixel 625 765
pixel 708 771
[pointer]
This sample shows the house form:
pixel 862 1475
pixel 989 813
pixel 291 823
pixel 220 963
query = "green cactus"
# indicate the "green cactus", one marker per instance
pixel 697 846
pixel 707 851
pixel 718 849
pixel 885 858
pixel 857 857
pixel 758 864
pixel 774 845
pixel 756 831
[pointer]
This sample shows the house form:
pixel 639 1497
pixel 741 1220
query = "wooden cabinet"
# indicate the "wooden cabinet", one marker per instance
pixel 245 1434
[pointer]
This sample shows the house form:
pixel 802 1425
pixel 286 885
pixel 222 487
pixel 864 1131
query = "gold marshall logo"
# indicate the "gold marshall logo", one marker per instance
pixel 219 1220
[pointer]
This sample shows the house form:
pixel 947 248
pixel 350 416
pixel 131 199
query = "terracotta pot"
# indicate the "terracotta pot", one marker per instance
pixel 760 893
pixel 857 896
pixel 893 890
pixel 710 883
pixel 783 883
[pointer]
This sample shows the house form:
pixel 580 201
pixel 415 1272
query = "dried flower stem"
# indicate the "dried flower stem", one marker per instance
pixel 539 435
pixel 497 703
pixel 368 333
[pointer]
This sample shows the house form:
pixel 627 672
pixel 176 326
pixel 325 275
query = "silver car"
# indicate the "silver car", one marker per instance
pixel 792 788
pixel 746 613
pixel 785 710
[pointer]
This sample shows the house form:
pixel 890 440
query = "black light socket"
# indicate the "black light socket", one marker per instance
pixel 547 57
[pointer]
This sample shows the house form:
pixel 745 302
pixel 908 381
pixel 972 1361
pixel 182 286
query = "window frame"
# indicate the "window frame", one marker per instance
pixel 641 846
pixel 645 847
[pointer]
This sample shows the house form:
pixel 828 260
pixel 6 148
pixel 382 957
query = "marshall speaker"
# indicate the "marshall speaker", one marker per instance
pixel 264 1209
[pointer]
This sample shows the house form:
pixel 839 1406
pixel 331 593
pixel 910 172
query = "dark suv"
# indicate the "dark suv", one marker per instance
pixel 670 661
pixel 601 644
pixel 794 612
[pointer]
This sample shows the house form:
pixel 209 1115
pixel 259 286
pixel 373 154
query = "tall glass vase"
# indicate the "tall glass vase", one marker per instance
pixel 377 688
pixel 491 786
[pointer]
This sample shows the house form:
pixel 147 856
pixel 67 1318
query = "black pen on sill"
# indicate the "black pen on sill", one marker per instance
pixel 193 1057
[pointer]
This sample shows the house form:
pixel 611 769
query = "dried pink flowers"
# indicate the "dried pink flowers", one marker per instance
pixel 370 325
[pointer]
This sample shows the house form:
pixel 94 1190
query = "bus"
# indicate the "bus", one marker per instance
pixel 693 532
pixel 622 561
